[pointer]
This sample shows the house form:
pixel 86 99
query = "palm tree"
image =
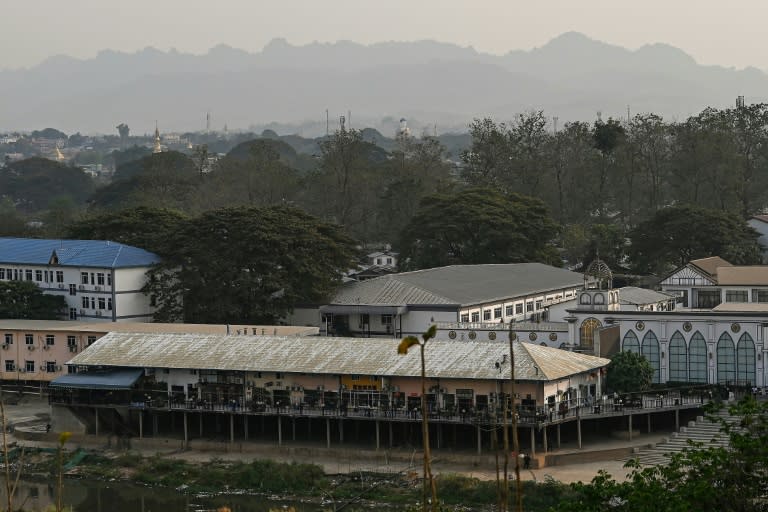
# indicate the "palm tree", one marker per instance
pixel 429 481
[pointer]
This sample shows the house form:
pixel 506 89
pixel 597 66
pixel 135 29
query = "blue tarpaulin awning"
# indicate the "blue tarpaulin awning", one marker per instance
pixel 110 379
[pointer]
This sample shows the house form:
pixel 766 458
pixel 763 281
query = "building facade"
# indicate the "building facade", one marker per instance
pixel 101 281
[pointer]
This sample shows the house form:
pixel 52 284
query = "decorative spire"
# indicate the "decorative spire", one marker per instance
pixel 157 148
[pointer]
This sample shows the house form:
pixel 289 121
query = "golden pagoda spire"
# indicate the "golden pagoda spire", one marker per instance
pixel 59 155
pixel 157 148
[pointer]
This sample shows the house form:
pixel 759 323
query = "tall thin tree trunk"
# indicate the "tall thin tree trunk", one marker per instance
pixel 428 480
pixel 515 439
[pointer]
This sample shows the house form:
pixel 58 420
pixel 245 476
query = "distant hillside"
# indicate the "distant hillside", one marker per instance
pixel 429 83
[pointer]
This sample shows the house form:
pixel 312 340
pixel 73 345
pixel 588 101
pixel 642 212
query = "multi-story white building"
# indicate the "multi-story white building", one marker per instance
pixel 101 281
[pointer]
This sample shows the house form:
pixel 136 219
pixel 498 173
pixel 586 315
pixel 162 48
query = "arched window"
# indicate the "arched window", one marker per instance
pixel 585 299
pixel 726 359
pixel 697 358
pixel 745 360
pixel 631 343
pixel 678 358
pixel 587 332
pixel 650 349
pixel 599 298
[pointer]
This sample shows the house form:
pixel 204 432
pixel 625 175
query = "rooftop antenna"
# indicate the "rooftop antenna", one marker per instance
pixel 554 121
pixel 342 121
pixel 208 122
pixel 349 119
pixel 629 117
pixel 327 124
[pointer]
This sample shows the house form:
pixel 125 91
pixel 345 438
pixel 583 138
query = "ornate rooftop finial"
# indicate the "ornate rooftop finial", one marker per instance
pixel 157 148
pixel 602 277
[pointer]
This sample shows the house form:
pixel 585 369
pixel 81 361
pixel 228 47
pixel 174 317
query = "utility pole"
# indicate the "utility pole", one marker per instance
pixel 515 439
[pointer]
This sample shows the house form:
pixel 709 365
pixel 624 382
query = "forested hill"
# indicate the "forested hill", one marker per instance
pixel 429 83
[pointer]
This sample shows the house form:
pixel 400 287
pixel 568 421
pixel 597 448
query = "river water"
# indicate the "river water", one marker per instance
pixel 96 496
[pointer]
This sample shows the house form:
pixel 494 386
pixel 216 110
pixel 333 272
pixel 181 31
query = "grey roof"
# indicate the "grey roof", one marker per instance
pixel 465 285
pixel 330 356
pixel 635 295
pixel 113 379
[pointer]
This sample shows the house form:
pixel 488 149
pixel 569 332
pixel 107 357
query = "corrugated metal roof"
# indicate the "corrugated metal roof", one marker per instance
pixel 459 284
pixel 710 265
pixel 74 253
pixel 635 295
pixel 747 275
pixel 143 327
pixel 113 379
pixel 346 356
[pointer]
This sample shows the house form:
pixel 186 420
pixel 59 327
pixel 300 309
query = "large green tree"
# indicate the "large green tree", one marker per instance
pixel 34 183
pixel 678 234
pixel 478 225
pixel 25 300
pixel 248 265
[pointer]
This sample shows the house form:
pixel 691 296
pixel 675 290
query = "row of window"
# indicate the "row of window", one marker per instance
pixel 29 366
pixel 688 362
pixel 49 339
pixel 15 274
pixel 97 303
pixel 95 278
pixel 512 309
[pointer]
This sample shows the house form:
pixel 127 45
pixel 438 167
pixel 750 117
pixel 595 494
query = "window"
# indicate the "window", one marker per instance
pixel 465 317
pixel 678 358
pixel 539 305
pixel 38 275
pixel 91 340
pixel 10 365
pixel 386 319
pixel 355 377
pixel 519 309
pixel 71 341
pixel 529 306
pixel 650 349
pixel 93 281
pixel 109 303
pixel 697 359
pixel 365 319
pixel 760 296
pixel 475 316
pixel 86 302
pixel 83 277
pixel 736 296
pixel 2 273
pixel 486 314
pixel 15 274
pixel 28 275
pixel 279 376
pixel 378 261
pixel 29 339
pixel 73 289
pixel 93 302
pixel 389 261
pixel 587 332
pixel 509 310
pixel 49 340
pixel 726 359
pixel 73 313
pixel 708 299
pixel 29 366
pixel 50 366
pixel 631 343
pixel 100 278
pixel 745 360
pixel 103 303
pixel 585 299
pixel 59 276
pixel 497 312
pixel 8 339
pixel 109 279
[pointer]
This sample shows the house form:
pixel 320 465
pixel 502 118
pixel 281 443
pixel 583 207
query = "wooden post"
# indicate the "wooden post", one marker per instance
pixel 578 431
pixel 677 420
pixel 546 447
pixel 479 441
pixel 279 431
pixel 378 442
pixel 245 426
pixel 141 424
pixel 201 424
pixel 231 428
pixel 630 426
pixel 558 435
pixel 186 432
pixel 649 423
pixel 96 411
pixel 293 428
pixel 341 431
pixel 391 436
pixel 154 424
pixel 533 441
pixel 328 432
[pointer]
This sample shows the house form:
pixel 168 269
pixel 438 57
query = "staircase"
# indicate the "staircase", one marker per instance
pixel 702 431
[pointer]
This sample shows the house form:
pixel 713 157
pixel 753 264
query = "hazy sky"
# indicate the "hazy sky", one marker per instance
pixel 729 33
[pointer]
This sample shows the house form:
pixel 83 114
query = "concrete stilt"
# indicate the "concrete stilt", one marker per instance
pixel 141 424
pixel 201 424
pixel 677 420
pixel 293 428
pixel 245 427
pixel 533 441
pixel 391 436
pixel 327 432
pixel 279 431
pixel 649 423
pixel 558 435
pixel 546 447
pixel 186 432
pixel 630 426
pixel 341 431
pixel 231 428
pixel 378 441
pixel 154 424
pixel 96 415
pixel 479 441
pixel 578 431
pixel 439 434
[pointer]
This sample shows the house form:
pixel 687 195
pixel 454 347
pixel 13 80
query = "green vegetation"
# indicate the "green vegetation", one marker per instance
pixel 25 300
pixel 629 372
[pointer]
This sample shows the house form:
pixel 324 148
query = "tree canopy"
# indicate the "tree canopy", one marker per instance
pixel 478 225
pixel 248 265
pixel 678 234
pixel 629 372
pixel 33 183
pixel 25 300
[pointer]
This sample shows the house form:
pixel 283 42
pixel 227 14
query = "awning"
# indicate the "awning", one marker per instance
pixel 351 309
pixel 110 379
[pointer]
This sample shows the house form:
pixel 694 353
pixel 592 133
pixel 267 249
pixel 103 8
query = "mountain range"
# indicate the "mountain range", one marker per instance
pixel 435 85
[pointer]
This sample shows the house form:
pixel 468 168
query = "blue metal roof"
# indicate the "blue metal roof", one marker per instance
pixel 111 379
pixel 73 253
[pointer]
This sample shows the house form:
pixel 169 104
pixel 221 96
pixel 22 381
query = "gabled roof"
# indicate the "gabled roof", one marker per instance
pixel 73 253
pixel 465 285
pixel 710 265
pixel 332 356
pixel 743 275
